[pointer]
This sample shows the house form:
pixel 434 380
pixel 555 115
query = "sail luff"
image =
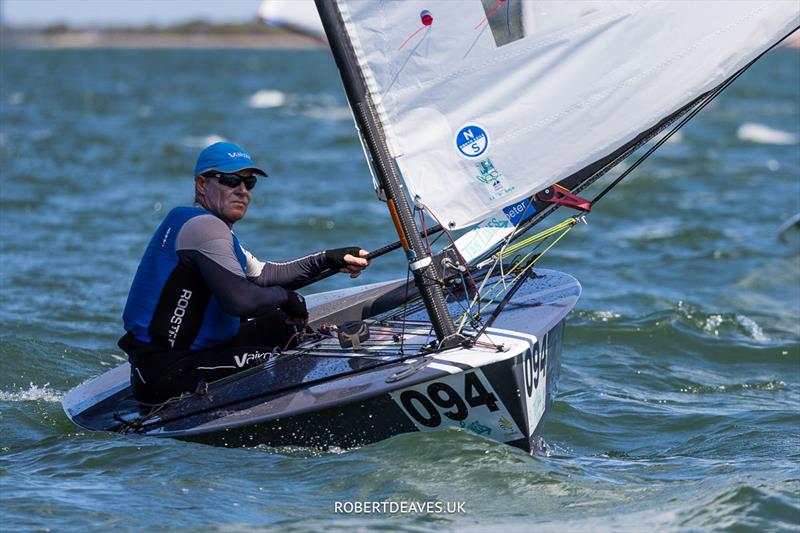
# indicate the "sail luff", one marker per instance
pixel 420 261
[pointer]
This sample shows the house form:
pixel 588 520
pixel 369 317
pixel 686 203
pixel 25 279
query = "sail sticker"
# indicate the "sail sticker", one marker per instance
pixel 519 212
pixel 472 141
pixel 492 179
pixel 465 400
pixel 494 229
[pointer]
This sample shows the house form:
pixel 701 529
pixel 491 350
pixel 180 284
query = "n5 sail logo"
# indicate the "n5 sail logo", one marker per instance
pixel 472 141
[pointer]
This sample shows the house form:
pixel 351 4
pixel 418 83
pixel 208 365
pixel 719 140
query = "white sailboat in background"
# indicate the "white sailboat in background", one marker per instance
pixel 486 115
pixel 296 15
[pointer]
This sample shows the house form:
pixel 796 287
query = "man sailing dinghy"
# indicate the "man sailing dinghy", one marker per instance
pixel 490 115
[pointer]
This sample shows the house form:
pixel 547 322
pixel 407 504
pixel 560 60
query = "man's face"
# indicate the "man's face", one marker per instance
pixel 229 203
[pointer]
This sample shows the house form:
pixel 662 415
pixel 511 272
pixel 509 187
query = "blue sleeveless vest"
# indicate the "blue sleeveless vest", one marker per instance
pixel 169 303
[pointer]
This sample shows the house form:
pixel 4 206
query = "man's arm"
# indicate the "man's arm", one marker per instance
pixel 289 274
pixel 206 244
pixel 292 274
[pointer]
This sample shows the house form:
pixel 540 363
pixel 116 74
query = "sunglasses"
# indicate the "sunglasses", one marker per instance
pixel 232 180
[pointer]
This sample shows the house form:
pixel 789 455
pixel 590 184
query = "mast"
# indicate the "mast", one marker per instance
pixel 420 261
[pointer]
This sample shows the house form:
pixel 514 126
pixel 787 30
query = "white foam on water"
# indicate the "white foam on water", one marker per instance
pixel 266 99
pixel 202 141
pixel 16 98
pixel 758 133
pixel 333 114
pixel 33 394
pixel 712 325
pixel 753 330
pixel 605 316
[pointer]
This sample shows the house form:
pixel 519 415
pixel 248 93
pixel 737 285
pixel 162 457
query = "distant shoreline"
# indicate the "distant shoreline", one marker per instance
pixel 85 39
pixel 266 38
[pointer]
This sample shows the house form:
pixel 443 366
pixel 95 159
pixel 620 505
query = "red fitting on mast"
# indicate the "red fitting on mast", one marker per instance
pixel 556 194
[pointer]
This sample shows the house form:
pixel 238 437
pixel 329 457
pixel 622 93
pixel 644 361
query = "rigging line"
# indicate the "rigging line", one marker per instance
pixel 516 247
pixel 424 229
pixel 477 298
pixel 405 306
pixel 531 262
pixel 408 58
pixel 711 96
pixel 518 282
pixel 411 37
pixel 449 234
pixel 516 231
pixel 463 262
pixel 489 14
pixel 477 38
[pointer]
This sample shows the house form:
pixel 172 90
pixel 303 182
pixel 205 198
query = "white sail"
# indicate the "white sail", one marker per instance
pixel 485 102
pixel 297 15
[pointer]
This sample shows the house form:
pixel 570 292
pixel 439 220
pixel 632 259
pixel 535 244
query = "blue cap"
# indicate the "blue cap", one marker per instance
pixel 225 157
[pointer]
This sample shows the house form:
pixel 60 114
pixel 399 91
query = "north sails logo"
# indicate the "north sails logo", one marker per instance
pixel 247 358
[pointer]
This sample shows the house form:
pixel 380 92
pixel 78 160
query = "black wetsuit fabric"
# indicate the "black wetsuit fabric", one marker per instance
pixel 201 307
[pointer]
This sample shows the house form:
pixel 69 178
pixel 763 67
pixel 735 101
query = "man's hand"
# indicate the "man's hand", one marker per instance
pixel 295 306
pixel 349 260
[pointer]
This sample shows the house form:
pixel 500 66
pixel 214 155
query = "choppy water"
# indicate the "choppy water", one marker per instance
pixel 680 384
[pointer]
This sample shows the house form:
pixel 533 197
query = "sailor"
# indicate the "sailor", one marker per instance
pixel 201 307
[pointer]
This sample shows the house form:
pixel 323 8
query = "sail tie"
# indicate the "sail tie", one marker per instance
pixel 427 19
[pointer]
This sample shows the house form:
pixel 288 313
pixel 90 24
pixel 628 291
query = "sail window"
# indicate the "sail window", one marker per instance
pixel 504 19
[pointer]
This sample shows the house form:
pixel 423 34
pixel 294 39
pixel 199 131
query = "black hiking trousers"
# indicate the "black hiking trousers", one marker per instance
pixel 158 373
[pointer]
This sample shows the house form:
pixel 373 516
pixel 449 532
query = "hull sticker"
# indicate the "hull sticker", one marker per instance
pixel 465 400
pixel 534 370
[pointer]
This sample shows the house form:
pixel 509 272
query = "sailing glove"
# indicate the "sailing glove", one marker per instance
pixel 335 257
pixel 295 306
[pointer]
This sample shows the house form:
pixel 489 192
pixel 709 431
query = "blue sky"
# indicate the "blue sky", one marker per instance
pixel 124 12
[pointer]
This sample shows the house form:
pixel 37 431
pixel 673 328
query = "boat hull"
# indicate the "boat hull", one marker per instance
pixel 500 388
pixel 510 418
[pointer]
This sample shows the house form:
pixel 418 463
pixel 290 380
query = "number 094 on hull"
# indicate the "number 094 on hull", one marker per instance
pixel 468 400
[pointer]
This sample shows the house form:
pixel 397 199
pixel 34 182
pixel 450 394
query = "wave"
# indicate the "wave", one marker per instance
pixel 758 133
pixel 33 393
pixel 266 99
pixel 684 317
pixel 329 113
pixel 747 507
pixel 735 387
pixel 15 98
pixel 202 141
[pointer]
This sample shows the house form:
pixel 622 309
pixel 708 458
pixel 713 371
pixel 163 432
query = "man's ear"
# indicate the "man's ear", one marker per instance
pixel 200 185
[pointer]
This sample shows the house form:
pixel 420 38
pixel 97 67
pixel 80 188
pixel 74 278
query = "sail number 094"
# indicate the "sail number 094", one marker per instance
pixel 534 365
pixel 425 408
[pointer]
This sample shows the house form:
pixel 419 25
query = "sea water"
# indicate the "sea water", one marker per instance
pixel 680 383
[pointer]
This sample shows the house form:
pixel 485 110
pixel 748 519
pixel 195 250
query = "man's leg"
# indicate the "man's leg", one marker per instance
pixel 270 329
